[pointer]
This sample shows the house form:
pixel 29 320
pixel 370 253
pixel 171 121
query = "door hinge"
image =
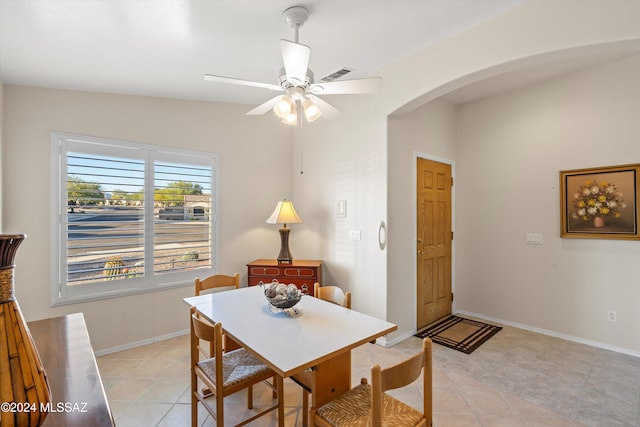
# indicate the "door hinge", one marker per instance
pixel 452 235
pixel 452 181
pixel 451 296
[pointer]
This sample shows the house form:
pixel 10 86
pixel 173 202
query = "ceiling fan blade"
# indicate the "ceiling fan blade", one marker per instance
pixel 229 80
pixel 368 85
pixel 295 57
pixel 328 111
pixel 267 106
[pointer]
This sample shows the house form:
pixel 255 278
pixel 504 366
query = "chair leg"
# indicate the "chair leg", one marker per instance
pixel 219 410
pixel 312 416
pixel 305 408
pixel 274 393
pixel 250 397
pixel 194 404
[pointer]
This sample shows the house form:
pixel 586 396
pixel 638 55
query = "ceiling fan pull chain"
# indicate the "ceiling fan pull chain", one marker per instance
pixel 301 148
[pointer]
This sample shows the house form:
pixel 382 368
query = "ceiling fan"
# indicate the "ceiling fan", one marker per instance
pixel 297 83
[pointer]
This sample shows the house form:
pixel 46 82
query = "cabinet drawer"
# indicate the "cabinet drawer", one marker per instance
pixel 301 283
pixel 254 281
pixel 299 272
pixel 265 271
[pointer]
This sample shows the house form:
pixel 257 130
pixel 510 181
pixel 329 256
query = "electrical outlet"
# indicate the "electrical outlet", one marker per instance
pixel 611 315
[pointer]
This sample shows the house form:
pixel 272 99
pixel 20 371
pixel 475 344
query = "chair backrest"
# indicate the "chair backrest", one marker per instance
pixel 205 331
pixel 401 375
pixel 217 281
pixel 332 294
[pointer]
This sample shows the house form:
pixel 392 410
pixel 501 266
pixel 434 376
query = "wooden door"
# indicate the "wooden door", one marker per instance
pixel 433 241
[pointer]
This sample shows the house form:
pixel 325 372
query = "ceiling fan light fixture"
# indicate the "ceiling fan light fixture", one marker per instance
pixel 291 119
pixel 283 107
pixel 311 111
pixel 297 82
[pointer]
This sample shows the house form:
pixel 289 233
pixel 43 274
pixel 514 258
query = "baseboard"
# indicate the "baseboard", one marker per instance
pixel 552 333
pixel 141 343
pixel 385 342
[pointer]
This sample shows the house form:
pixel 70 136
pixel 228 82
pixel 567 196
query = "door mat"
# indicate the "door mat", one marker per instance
pixel 461 334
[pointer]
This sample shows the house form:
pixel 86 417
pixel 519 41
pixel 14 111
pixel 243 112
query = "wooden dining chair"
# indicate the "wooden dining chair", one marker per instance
pixel 219 282
pixel 368 404
pixel 332 294
pixel 223 374
pixel 336 295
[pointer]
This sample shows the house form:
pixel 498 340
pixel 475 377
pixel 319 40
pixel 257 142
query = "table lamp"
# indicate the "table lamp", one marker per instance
pixel 284 213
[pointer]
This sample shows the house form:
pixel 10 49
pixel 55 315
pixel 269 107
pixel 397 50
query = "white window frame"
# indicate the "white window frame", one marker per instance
pixel 61 293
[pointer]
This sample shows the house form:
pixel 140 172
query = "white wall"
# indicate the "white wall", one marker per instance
pixel 344 159
pixel 534 33
pixel 510 150
pixel 530 34
pixel 249 147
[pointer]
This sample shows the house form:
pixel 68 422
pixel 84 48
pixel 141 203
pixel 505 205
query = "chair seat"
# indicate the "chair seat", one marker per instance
pixel 353 408
pixel 237 366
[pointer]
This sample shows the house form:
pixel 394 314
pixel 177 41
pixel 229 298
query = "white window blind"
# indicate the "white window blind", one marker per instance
pixel 183 196
pixel 129 217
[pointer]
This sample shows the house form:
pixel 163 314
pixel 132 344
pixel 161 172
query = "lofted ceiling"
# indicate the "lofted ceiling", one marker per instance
pixel 164 47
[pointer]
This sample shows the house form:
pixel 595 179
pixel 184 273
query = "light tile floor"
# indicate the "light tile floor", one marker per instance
pixel 517 378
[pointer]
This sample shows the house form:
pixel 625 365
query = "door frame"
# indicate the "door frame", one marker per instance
pixel 414 215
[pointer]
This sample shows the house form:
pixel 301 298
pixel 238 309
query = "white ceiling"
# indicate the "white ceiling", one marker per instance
pixel 164 47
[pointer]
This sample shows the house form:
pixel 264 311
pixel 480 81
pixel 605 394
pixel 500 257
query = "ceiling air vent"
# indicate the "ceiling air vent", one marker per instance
pixel 336 75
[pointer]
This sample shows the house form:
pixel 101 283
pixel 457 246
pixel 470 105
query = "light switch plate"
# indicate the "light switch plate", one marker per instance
pixel 341 209
pixel 534 239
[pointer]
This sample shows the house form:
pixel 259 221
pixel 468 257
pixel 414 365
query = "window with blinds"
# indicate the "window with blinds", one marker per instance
pixel 130 217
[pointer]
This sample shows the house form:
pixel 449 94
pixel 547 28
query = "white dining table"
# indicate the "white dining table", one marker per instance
pixel 313 346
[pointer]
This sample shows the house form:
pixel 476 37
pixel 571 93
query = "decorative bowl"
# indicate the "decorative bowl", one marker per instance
pixel 282 296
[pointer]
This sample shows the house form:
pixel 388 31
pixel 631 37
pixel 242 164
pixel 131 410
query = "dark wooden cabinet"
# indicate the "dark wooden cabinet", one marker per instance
pixel 299 272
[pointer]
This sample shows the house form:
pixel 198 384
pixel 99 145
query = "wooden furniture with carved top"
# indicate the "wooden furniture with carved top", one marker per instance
pixel 299 272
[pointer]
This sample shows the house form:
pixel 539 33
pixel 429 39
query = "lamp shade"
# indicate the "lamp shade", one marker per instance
pixel 311 111
pixel 284 213
pixel 283 107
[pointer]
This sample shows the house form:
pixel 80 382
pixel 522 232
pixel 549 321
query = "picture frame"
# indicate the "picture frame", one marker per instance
pixel 600 202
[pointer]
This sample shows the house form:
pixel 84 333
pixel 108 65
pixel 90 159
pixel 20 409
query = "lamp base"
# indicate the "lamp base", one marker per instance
pixel 284 257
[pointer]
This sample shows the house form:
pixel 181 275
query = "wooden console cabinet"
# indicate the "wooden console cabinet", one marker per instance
pixel 299 272
pixel 77 394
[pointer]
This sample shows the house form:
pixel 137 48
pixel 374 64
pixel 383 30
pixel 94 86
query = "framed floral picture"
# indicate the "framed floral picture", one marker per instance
pixel 600 203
